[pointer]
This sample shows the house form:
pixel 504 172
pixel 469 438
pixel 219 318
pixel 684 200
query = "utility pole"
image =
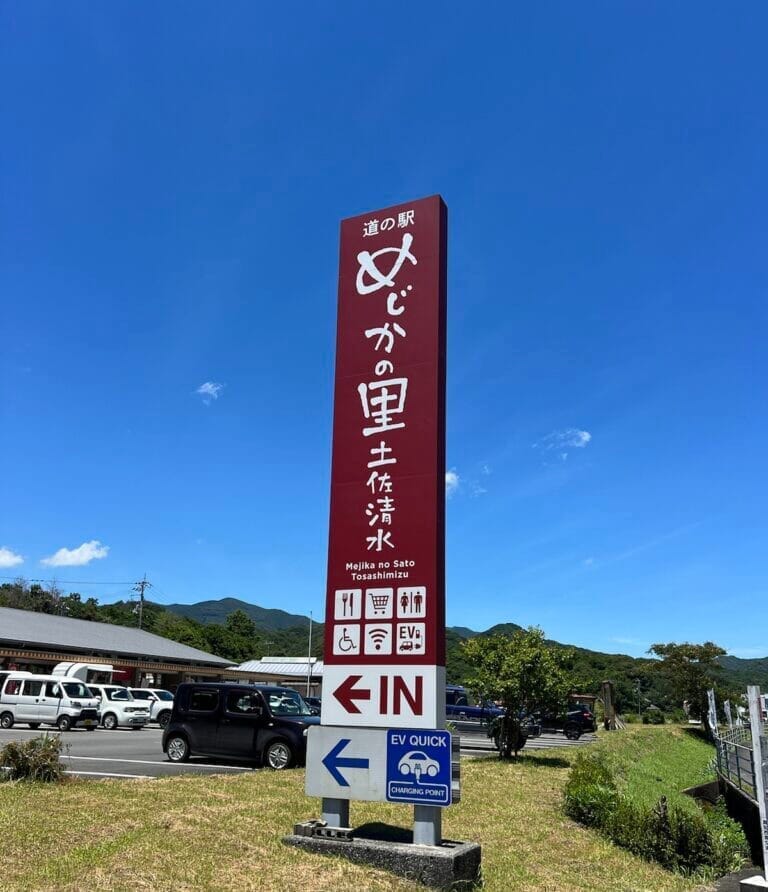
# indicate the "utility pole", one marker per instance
pixel 309 654
pixel 639 705
pixel 139 587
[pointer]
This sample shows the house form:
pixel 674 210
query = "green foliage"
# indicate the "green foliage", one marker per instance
pixel 653 717
pixel 37 759
pixel 237 639
pixel 687 840
pixel 206 626
pixel 690 670
pixel 590 793
pixel 519 670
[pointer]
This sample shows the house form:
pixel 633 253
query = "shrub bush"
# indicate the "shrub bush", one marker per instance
pixel 653 717
pixel 37 759
pixel 705 842
pixel 590 792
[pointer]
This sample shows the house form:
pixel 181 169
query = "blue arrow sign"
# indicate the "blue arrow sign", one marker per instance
pixel 333 761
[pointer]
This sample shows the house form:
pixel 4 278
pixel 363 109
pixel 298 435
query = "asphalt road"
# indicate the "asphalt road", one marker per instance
pixel 139 755
pixel 122 754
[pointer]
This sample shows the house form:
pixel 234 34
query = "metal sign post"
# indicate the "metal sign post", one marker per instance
pixel 384 664
pixel 755 721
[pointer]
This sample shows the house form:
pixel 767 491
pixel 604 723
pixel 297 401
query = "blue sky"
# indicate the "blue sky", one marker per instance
pixel 172 180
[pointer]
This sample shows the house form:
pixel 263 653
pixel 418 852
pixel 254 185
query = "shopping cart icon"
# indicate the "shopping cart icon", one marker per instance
pixel 379 602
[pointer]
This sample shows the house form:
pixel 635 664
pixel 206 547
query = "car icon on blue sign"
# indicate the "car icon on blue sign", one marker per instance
pixel 418 764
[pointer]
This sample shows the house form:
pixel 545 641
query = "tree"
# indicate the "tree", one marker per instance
pixel 239 623
pixel 691 670
pixel 181 629
pixel 522 673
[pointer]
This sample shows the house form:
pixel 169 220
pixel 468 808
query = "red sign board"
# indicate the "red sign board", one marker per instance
pixel 385 601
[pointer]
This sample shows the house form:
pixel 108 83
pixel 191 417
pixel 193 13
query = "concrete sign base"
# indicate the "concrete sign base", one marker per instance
pixel 451 865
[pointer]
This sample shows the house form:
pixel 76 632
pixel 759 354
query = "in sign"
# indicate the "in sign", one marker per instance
pixel 394 696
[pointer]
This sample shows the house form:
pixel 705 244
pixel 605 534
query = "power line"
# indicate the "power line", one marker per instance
pixel 65 581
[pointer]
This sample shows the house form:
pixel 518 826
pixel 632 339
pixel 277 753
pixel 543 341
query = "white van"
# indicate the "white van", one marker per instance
pixel 118 708
pixel 37 700
pixel 160 703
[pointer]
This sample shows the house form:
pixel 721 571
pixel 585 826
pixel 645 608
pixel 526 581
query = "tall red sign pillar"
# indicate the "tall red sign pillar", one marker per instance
pixel 384 662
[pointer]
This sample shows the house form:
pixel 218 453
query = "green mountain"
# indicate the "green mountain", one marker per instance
pixel 207 612
pixel 240 631
pixel 589 667
pixel 746 671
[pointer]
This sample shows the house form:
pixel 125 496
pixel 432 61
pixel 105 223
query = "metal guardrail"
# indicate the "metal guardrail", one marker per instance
pixel 735 759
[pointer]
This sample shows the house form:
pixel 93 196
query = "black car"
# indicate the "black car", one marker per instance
pixel 578 720
pixel 314 704
pixel 265 725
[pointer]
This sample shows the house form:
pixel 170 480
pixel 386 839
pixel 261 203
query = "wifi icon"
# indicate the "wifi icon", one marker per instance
pixel 379 640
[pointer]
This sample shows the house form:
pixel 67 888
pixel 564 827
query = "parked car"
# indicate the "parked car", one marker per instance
pixel 37 700
pixel 458 705
pixel 314 704
pixel 118 708
pixel 577 720
pixel 265 725
pixel 160 703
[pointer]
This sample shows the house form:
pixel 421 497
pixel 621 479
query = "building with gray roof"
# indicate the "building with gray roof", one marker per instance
pixel 37 641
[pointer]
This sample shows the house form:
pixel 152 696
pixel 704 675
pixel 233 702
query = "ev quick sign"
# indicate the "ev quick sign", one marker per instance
pixel 410 765
pixel 419 767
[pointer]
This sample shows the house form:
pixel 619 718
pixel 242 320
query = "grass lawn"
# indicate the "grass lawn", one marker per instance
pixel 223 832
pixel 654 761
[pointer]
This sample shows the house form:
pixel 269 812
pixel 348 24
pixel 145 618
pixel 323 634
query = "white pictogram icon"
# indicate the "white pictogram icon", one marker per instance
pixel 378 639
pixel 346 640
pixel 412 602
pixel 368 266
pixel 378 603
pixel 348 603
pixel 410 638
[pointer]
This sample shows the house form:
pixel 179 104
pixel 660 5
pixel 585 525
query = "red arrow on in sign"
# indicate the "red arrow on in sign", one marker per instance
pixel 346 693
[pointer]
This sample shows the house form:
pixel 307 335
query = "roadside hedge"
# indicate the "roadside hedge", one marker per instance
pixel 707 842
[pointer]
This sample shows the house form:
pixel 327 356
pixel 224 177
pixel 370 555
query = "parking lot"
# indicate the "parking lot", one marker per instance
pixel 139 755
pixel 120 754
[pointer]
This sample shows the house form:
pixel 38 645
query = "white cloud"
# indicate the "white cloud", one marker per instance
pixel 77 557
pixel 588 562
pixel 451 482
pixel 485 469
pixel 9 558
pixel 576 438
pixel 209 391
pixel 562 441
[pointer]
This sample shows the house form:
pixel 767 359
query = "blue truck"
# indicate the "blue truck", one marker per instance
pixel 459 704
